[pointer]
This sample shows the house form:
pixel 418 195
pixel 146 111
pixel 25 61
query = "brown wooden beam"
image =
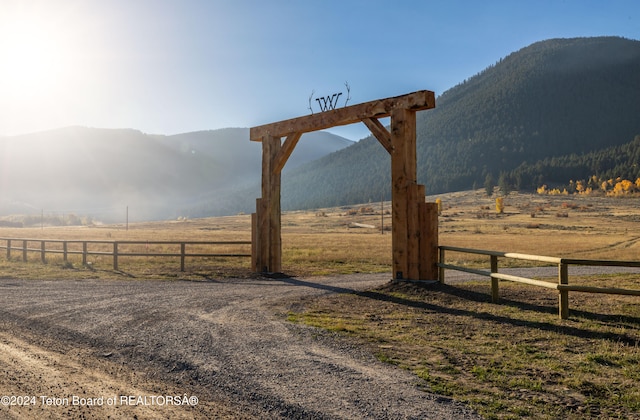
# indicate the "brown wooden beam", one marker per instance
pixel 428 241
pixel 403 178
pixel 379 132
pixel 416 101
pixel 268 229
pixel 286 150
pixel 414 233
pixel 256 258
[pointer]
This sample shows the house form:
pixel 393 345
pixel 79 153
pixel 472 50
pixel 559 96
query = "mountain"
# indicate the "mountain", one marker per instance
pixel 230 149
pixel 101 172
pixel 550 99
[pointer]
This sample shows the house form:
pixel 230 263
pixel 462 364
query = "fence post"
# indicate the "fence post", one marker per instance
pixel 42 252
pixel 441 269
pixel 64 251
pixel 563 295
pixel 24 251
pixel 182 252
pixel 8 249
pixel 84 253
pixel 115 256
pixel 495 283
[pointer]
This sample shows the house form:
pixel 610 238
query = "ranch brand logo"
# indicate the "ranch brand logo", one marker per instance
pixel 328 103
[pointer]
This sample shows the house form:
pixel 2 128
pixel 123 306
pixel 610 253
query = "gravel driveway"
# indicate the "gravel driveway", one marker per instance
pixel 179 349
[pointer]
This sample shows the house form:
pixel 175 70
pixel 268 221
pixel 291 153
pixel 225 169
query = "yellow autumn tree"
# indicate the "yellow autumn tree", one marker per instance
pixel 623 186
pixel 617 189
pixel 500 205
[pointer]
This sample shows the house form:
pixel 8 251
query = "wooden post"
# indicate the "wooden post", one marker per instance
pixel 84 253
pixel 429 241
pixel 274 214
pixel 64 251
pixel 262 240
pixel 415 209
pixel 183 247
pixel 441 269
pixel 495 283
pixel 8 249
pixel 115 256
pixel 24 251
pixel 42 252
pixel 563 295
pixel 256 258
pixel 268 237
pixel 402 178
pixel 414 227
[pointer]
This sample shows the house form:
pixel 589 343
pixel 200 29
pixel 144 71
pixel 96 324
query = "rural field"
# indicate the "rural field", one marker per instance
pixel 515 359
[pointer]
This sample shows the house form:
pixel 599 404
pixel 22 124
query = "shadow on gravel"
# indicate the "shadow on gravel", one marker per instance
pixel 124 274
pixel 480 297
pixel 206 278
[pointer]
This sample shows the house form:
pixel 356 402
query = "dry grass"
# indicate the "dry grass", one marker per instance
pixel 513 360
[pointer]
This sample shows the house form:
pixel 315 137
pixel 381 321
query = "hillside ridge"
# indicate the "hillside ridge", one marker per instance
pixel 100 172
pixel 553 98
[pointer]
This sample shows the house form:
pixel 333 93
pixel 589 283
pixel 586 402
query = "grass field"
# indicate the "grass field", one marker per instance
pixel 511 360
pixel 327 241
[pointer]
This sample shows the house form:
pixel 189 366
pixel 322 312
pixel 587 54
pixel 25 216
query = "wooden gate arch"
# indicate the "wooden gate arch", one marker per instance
pixel 414 222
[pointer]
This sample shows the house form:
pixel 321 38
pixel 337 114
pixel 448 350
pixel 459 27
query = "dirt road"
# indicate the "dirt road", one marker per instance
pixel 176 349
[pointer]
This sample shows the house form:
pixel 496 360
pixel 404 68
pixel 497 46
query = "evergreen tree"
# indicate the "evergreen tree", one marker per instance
pixel 488 185
pixel 503 184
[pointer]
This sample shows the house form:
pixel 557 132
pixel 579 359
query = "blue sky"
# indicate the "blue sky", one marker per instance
pixel 174 66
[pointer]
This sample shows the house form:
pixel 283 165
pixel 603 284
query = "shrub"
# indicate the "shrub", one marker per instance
pixel 500 205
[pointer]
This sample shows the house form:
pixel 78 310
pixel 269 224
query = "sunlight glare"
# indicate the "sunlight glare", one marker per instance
pixel 35 59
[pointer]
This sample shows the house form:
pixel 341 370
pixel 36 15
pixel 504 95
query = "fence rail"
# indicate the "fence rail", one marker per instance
pixel 562 286
pixel 115 249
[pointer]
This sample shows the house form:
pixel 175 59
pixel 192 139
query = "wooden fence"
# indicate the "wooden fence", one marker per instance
pixel 562 286
pixel 111 248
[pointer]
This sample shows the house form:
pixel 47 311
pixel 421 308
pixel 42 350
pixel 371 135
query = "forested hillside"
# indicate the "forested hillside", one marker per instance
pixel 552 99
pixel 610 163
